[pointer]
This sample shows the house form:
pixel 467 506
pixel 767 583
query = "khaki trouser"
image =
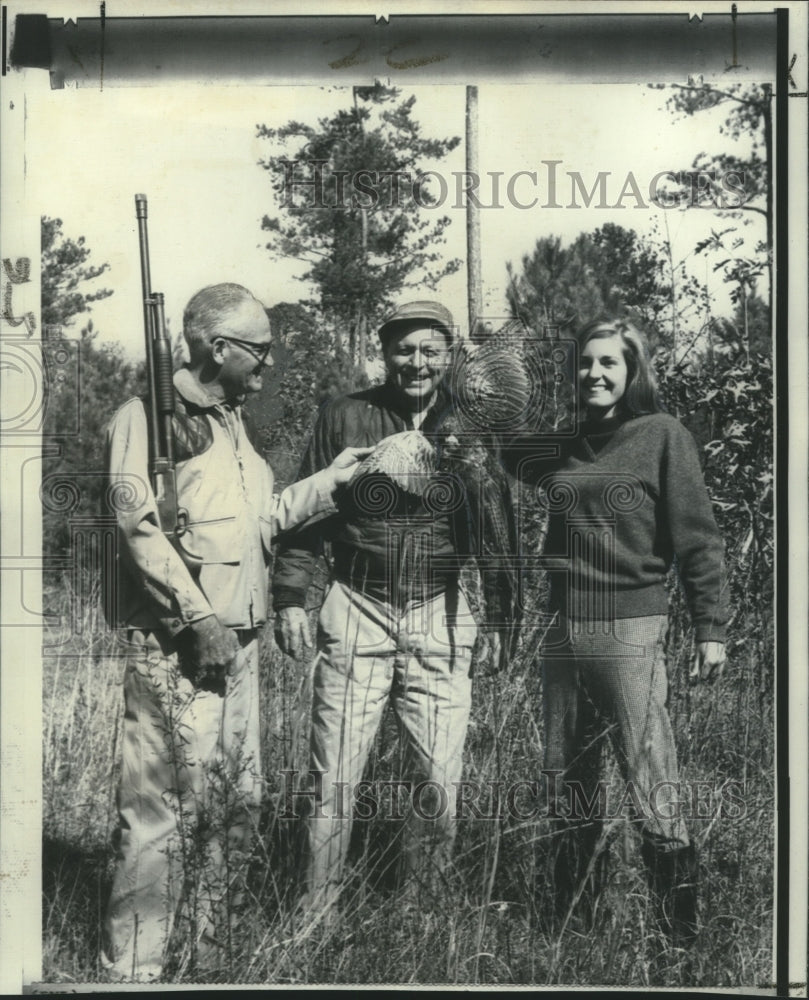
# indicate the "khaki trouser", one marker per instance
pixel 190 780
pixel 609 679
pixel 417 657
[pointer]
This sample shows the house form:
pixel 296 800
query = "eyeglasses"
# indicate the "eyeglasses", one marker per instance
pixel 259 351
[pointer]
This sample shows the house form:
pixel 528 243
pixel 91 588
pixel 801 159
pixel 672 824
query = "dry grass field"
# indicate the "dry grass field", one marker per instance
pixel 485 925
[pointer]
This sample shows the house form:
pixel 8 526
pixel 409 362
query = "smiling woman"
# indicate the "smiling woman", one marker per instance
pixel 615 373
pixel 602 376
pixel 623 499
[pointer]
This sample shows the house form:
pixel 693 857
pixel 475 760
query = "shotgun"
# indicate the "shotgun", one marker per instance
pixel 160 408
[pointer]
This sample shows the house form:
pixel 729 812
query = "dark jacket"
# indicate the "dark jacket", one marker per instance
pixel 409 548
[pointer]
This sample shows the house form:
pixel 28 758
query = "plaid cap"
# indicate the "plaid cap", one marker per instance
pixel 432 314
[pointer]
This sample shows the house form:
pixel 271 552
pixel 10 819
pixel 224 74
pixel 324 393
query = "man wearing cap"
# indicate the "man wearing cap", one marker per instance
pixel 394 626
pixel 192 607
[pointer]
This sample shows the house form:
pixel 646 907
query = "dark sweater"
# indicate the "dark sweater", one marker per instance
pixel 625 499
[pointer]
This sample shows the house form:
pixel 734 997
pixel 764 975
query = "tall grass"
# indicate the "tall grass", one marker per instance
pixel 486 924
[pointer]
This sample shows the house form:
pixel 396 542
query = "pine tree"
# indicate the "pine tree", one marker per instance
pixel 84 384
pixel 351 208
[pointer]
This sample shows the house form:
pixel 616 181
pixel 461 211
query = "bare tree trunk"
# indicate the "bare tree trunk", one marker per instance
pixel 352 336
pixel 474 283
pixel 359 347
pixel 674 317
pixel 362 340
pixel 746 328
pixel 362 321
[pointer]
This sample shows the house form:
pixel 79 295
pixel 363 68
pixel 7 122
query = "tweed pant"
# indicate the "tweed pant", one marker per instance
pixel 608 680
pixel 190 780
pixel 418 658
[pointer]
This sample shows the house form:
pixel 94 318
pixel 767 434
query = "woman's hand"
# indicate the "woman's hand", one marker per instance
pixel 345 465
pixel 709 661
pixel 487 653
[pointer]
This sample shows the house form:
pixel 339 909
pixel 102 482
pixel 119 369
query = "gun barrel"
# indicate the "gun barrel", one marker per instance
pixel 141 213
pixel 161 392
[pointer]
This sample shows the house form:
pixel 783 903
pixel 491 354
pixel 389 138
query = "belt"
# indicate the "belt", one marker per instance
pixel 372 575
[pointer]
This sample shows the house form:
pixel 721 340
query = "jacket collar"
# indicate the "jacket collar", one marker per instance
pixel 192 391
pixel 437 410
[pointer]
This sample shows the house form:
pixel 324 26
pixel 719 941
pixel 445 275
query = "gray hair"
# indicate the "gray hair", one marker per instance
pixel 203 315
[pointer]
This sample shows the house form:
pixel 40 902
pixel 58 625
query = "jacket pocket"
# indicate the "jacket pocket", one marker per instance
pixel 219 540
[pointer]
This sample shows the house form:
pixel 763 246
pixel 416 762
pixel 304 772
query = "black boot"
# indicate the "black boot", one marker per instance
pixel 578 874
pixel 673 878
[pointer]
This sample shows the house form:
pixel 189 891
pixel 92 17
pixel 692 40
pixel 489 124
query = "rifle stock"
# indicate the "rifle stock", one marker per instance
pixel 161 391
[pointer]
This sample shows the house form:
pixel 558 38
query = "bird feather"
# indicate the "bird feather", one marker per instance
pixel 407 458
pixel 496 382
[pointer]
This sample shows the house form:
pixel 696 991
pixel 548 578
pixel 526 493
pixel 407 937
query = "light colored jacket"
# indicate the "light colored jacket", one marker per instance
pixel 220 564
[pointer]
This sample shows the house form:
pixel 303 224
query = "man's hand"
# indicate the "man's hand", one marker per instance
pixel 292 630
pixel 345 465
pixel 207 649
pixel 709 661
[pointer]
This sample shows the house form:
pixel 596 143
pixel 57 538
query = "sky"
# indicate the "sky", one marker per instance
pixel 193 151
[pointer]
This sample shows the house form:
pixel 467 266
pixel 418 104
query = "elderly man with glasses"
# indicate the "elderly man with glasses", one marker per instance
pixel 192 607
